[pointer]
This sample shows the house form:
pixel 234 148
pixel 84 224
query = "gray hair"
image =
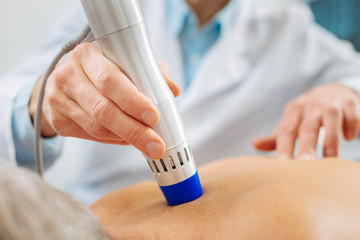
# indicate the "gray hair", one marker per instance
pixel 32 209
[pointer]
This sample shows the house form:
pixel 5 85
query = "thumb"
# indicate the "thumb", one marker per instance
pixel 265 143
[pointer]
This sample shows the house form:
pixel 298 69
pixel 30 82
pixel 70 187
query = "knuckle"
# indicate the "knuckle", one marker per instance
pixel 293 106
pixel 332 111
pixel 52 98
pixel 314 107
pixel 97 130
pixel 135 135
pixel 100 109
pixel 59 75
pixel 104 81
pixel 82 50
pixel 63 75
pixel 350 103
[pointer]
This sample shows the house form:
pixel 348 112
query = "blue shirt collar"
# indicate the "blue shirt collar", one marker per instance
pixel 177 11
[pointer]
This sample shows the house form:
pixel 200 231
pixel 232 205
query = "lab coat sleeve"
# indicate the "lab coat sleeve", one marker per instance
pixel 13 85
pixel 23 133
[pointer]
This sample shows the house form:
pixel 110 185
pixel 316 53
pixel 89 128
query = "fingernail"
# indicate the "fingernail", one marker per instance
pixel 154 150
pixel 283 156
pixel 149 118
pixel 305 156
pixel 329 152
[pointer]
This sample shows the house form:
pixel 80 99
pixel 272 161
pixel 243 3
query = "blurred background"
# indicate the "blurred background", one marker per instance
pixel 341 17
pixel 25 23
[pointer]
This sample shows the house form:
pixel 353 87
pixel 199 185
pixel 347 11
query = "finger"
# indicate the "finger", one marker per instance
pixel 116 86
pixel 71 110
pixel 308 134
pixel 107 114
pixel 350 122
pixel 287 130
pixel 70 128
pixel 172 85
pixel 266 143
pixel 332 121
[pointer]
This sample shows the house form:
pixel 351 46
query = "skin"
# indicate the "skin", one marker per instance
pixel 88 97
pixel 245 198
pixel 205 10
pixel 332 106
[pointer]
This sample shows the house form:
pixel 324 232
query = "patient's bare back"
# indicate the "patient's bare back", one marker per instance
pixel 245 198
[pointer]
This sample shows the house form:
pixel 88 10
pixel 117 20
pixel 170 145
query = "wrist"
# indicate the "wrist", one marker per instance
pixel 46 129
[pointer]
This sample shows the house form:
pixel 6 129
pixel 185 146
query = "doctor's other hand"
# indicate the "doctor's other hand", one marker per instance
pixel 87 96
pixel 334 107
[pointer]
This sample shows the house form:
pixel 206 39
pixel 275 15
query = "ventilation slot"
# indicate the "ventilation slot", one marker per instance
pixel 190 151
pixel 151 167
pixel 163 165
pixel 156 167
pixel 172 162
pixel 180 158
pixel 187 155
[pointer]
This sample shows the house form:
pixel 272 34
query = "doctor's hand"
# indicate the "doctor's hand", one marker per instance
pixel 332 106
pixel 87 96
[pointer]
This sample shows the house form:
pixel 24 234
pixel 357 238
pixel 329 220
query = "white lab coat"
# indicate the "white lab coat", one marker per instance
pixel 268 57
